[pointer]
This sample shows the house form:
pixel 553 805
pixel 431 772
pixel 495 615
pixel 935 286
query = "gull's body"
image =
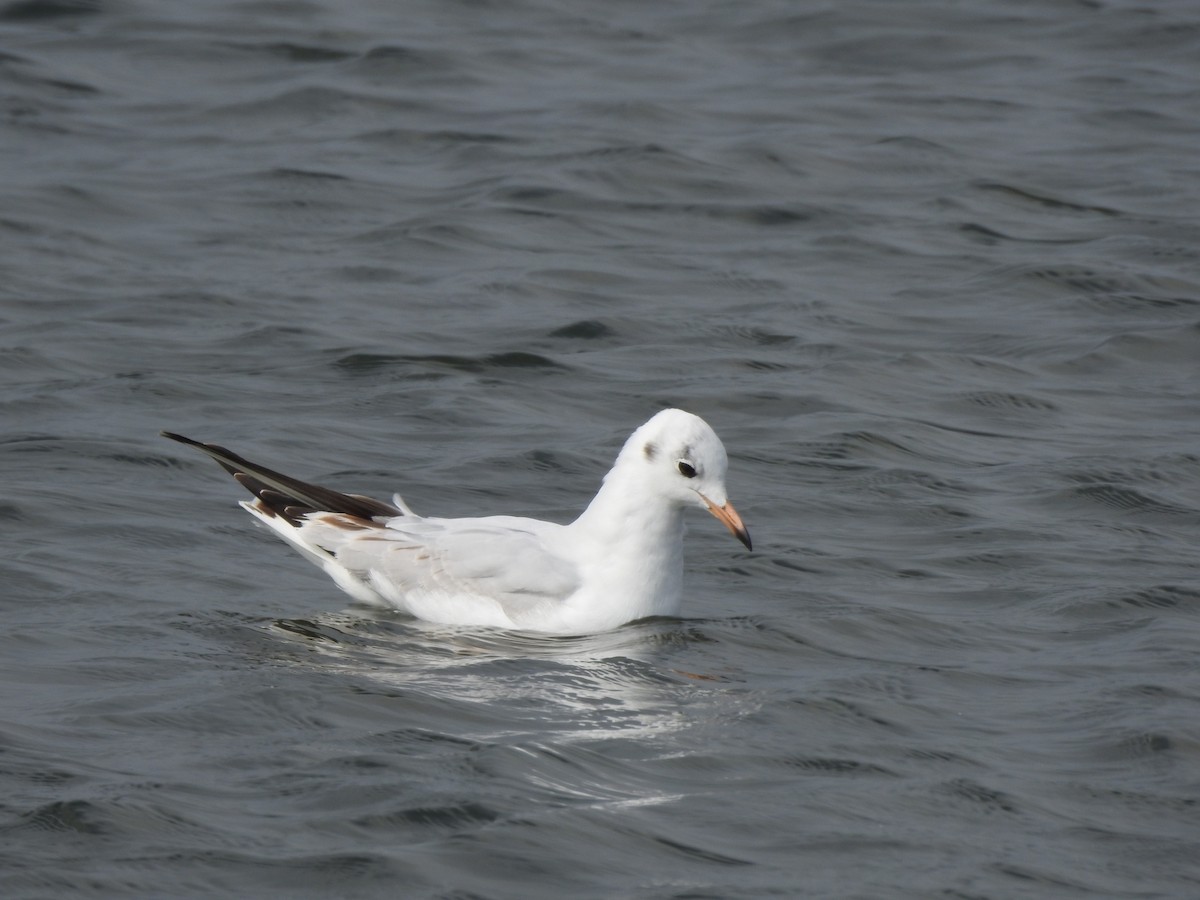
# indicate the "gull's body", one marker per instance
pixel 621 560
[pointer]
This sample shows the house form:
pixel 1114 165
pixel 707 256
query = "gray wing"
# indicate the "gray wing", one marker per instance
pixel 502 560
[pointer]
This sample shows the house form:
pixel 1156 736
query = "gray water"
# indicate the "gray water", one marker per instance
pixel 931 270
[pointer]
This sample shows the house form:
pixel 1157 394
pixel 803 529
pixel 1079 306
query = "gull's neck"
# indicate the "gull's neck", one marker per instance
pixel 631 536
pixel 628 510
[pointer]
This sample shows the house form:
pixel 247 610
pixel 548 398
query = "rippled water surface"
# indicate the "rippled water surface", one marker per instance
pixel 931 270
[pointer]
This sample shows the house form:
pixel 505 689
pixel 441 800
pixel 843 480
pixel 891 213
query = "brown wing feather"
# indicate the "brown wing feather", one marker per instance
pixel 286 496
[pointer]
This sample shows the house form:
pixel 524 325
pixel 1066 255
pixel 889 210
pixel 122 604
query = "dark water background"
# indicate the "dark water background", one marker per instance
pixel 932 270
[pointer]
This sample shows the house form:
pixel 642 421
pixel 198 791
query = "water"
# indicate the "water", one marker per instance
pixel 930 270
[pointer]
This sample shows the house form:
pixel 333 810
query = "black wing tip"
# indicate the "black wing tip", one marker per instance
pixel 283 495
pixel 174 436
pixel 214 450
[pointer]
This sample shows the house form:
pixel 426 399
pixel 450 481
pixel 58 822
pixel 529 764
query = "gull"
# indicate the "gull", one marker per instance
pixel 619 561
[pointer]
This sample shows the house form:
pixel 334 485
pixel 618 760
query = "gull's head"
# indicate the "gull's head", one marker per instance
pixel 685 461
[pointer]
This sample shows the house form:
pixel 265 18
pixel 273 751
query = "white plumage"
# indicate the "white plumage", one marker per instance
pixel 621 560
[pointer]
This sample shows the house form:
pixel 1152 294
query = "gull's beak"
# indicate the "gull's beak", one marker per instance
pixel 730 519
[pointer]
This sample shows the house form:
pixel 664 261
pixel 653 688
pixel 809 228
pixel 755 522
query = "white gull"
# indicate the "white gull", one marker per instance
pixel 621 560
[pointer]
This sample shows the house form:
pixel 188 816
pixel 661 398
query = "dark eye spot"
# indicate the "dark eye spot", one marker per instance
pixel 686 469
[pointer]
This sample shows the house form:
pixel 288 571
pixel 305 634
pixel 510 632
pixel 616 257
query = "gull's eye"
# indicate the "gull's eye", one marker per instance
pixel 686 469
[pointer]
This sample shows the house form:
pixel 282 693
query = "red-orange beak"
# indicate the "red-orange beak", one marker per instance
pixel 729 517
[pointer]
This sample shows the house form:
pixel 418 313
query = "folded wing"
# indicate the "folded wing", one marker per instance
pixel 497 570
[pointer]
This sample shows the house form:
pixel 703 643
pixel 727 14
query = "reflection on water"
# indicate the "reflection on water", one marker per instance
pixel 623 683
